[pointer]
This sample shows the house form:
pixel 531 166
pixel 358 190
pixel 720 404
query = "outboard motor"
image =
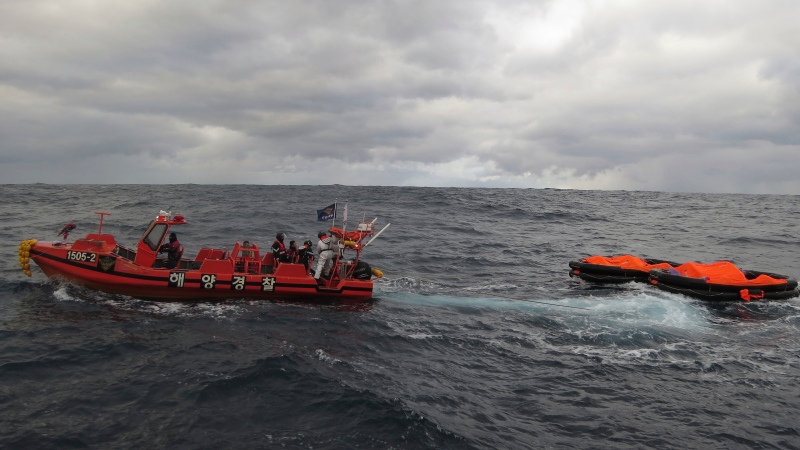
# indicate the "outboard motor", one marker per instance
pixel 363 271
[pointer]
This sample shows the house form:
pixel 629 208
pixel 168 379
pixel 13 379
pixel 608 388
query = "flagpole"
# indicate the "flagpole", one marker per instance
pixel 344 219
pixel 341 243
pixel 335 205
pixel 339 252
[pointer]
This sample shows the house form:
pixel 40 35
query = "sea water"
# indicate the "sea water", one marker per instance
pixel 477 337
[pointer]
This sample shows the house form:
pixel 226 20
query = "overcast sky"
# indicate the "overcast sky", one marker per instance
pixel 669 95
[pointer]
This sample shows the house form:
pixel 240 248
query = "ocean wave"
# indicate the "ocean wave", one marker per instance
pixel 477 337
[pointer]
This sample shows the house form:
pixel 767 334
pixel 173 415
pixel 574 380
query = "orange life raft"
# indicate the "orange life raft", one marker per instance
pixel 616 269
pixel 722 280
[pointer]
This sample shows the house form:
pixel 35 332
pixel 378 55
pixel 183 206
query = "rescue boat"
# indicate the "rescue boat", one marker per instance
pixel 722 280
pixel 99 262
pixel 616 269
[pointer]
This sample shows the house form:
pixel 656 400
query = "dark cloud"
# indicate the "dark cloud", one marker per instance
pixel 572 94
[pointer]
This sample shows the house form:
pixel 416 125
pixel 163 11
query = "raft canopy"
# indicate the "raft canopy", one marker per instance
pixel 364 230
pixel 627 262
pixel 616 269
pixel 725 272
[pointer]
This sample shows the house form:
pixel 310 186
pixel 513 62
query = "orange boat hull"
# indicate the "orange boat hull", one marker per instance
pixel 212 280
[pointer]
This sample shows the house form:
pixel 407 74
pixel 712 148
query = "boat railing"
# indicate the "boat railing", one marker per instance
pixel 210 253
pixel 247 259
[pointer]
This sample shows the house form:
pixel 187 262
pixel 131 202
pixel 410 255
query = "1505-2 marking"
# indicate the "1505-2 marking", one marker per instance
pixel 81 256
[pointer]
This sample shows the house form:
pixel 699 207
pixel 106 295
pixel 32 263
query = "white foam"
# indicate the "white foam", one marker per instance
pixel 424 336
pixel 638 326
pixel 216 310
pixel 636 308
pixel 322 356
pixel 402 284
pixel 62 295
pixel 647 309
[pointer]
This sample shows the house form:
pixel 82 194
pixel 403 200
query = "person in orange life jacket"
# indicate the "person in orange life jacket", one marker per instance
pixel 278 249
pixel 306 254
pixel 291 252
pixel 174 251
pixel 327 249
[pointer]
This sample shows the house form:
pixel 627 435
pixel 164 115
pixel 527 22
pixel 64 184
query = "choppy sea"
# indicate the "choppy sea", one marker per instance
pixel 476 339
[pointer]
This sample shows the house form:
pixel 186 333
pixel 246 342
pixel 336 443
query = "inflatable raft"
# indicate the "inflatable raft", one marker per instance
pixel 616 269
pixel 722 280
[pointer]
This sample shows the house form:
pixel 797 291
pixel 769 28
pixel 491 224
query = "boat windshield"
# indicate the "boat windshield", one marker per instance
pixel 153 237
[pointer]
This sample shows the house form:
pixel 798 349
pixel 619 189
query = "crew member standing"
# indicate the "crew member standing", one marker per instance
pixel 278 249
pixel 306 255
pixel 326 253
pixel 291 252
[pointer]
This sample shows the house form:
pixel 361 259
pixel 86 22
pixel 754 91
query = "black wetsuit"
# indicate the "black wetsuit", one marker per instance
pixel 174 251
pixel 305 256
pixel 279 251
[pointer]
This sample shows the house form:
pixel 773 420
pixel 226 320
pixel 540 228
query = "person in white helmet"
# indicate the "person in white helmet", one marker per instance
pixel 327 248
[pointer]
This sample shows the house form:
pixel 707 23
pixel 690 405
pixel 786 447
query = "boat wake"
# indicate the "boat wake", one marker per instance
pixel 625 327
pixel 64 291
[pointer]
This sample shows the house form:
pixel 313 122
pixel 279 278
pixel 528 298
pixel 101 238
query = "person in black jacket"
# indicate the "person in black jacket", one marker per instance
pixel 279 249
pixel 291 252
pixel 306 255
pixel 174 251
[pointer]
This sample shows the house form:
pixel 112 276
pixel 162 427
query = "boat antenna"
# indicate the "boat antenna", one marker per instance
pixel 344 219
pixel 341 245
pixel 361 232
pixel 333 225
pixel 102 214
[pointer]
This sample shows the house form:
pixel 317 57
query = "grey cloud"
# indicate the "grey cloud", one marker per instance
pixel 473 92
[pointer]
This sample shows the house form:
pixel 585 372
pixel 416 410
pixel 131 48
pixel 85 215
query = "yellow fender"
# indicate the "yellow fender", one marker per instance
pixel 377 273
pixel 24 255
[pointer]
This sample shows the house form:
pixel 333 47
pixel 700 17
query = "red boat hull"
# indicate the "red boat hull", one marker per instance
pixel 107 271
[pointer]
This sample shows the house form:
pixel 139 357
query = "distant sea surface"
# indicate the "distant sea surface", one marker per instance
pixel 476 339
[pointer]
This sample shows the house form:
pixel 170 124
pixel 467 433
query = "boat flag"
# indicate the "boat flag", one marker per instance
pixel 327 213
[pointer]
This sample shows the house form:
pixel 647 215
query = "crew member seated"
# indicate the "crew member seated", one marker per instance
pixel 247 253
pixel 174 251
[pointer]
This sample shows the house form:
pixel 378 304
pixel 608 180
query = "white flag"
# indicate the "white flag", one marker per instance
pixel 344 216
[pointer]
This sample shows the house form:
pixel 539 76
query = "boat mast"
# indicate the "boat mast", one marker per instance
pixel 344 219
pixel 335 207
pixel 102 214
